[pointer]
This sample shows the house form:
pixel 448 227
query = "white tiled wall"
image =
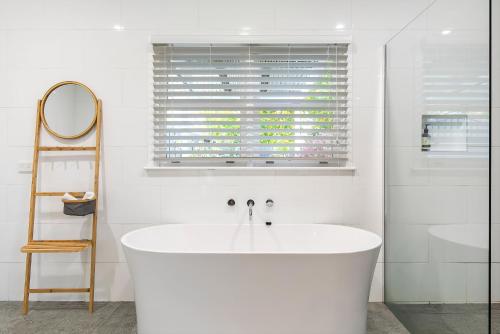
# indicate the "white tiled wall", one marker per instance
pixel 43 42
pixel 437 221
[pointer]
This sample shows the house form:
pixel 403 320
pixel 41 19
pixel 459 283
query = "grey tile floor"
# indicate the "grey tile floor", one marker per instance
pixel 119 318
pixel 447 318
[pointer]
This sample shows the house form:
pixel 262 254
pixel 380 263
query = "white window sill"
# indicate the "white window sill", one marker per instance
pixel 245 168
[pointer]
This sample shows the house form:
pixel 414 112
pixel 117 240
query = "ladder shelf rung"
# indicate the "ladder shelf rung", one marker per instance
pixel 66 148
pixel 60 193
pixel 56 246
pixel 59 290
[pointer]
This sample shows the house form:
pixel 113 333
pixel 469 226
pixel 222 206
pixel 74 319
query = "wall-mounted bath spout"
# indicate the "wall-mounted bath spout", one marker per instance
pixel 250 204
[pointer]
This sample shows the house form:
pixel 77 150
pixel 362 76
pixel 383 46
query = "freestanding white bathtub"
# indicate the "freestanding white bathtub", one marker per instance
pixel 251 279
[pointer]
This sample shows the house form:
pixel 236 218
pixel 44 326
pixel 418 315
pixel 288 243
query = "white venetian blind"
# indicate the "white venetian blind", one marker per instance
pixel 250 104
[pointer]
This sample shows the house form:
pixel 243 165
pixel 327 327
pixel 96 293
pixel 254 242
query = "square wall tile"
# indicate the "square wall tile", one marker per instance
pixel 428 205
pixel 4 281
pixel 127 49
pixel 477 283
pixel 108 241
pixel 133 204
pixel 245 17
pixel 405 50
pixel 126 127
pixel 447 282
pixel 367 48
pixel 113 282
pixel 364 87
pixel 407 166
pixel 495 184
pixel 90 14
pixel 15 278
pixel 22 14
pixel 495 92
pixel 138 90
pixel 495 242
pixel 21 129
pixel 377 288
pixel 112 168
pixel 160 16
pixel 3 204
pixel 4 113
pixel 407 243
pixel 18 200
pixel 422 282
pixel 61 49
pixel 402 124
pixel 458 243
pixel 495 282
pixel 478 205
pixel 406 282
pixel 11 157
pixel 495 10
pixel 367 14
pixel 495 124
pixel 459 15
pixel 13 236
pixel 458 171
pixel 331 15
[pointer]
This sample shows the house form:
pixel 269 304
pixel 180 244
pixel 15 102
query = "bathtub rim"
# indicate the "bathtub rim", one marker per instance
pixel 378 245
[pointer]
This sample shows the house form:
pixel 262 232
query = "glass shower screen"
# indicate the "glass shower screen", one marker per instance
pixel 437 155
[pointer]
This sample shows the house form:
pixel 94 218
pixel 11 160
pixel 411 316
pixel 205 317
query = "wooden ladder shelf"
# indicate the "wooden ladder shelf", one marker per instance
pixel 62 246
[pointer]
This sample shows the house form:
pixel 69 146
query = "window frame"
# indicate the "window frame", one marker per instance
pixel 239 39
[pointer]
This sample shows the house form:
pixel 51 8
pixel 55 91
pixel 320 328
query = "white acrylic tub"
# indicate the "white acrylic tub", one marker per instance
pixel 251 279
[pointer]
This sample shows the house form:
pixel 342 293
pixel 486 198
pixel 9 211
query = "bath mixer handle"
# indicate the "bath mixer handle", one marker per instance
pixel 231 202
pixel 250 204
pixel 269 203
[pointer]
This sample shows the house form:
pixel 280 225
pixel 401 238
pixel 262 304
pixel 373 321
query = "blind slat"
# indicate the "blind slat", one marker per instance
pixel 263 103
pixel 195 139
pixel 163 108
pixel 248 94
pixel 250 123
pixel 329 115
pixel 162 132
pixel 194 79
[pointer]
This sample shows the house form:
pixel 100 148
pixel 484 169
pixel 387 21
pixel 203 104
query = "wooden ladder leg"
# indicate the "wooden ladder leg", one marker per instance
pixel 34 175
pixel 92 279
pixel 27 279
pixel 96 192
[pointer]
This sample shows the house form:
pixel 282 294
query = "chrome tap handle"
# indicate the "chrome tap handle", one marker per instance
pixel 231 202
pixel 269 203
pixel 250 204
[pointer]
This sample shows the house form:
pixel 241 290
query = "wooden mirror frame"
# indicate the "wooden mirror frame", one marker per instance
pixel 46 96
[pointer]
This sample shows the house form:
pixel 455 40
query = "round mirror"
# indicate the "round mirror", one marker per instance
pixel 69 110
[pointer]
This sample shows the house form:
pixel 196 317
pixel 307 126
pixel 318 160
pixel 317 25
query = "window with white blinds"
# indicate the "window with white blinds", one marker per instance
pixel 251 104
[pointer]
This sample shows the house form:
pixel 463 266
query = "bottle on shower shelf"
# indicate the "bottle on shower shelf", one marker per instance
pixel 426 139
